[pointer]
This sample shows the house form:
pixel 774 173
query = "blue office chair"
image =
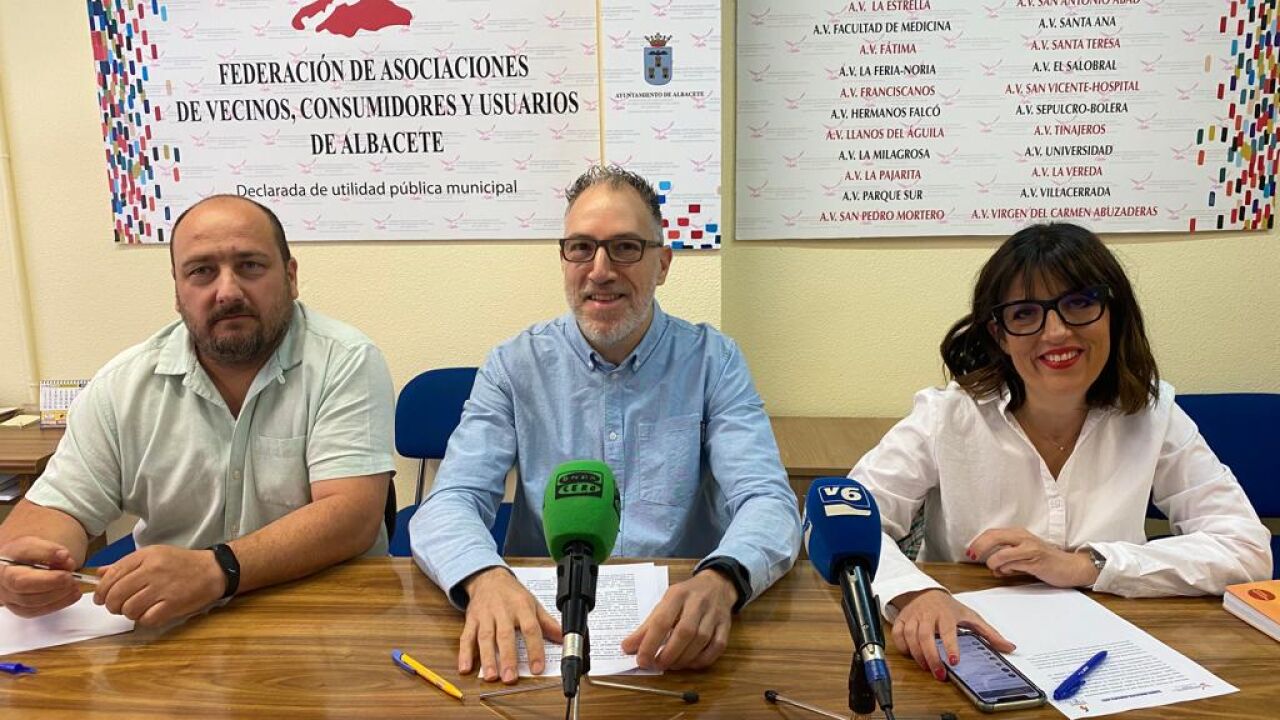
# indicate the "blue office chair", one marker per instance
pixel 427 411
pixel 1240 428
pixel 113 552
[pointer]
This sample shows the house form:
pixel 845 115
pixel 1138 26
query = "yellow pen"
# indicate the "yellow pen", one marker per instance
pixel 408 664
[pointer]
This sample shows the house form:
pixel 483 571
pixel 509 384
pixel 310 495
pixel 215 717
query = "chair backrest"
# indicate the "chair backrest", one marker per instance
pixel 428 410
pixel 1241 430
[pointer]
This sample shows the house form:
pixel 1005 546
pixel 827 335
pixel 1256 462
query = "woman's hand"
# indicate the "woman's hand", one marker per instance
pixel 1017 551
pixel 928 613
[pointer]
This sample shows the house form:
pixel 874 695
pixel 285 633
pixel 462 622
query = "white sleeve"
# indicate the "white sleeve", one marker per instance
pixel 1218 538
pixel 899 472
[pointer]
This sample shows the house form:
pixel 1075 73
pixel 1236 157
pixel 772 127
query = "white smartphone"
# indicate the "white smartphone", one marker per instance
pixel 989 681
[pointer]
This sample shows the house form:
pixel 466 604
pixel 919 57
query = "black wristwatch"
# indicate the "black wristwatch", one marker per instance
pixel 735 573
pixel 230 567
pixel 1098 559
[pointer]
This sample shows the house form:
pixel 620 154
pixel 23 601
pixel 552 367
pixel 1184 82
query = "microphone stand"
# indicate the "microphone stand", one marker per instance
pixel 576 572
pixel 861 700
pixel 868 656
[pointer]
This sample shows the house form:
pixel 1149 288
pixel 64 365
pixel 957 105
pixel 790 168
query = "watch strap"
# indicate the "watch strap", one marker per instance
pixel 230 567
pixel 735 573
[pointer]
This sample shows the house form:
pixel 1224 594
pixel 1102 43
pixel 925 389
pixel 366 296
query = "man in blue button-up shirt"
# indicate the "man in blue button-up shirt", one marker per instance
pixel 668 405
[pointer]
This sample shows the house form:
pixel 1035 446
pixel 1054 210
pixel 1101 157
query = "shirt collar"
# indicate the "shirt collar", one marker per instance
pixel 178 355
pixel 289 354
pixel 638 356
pixel 1002 399
pixel 1093 415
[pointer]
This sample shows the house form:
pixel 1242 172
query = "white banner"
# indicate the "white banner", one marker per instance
pixel 356 119
pixel 662 113
pixel 952 117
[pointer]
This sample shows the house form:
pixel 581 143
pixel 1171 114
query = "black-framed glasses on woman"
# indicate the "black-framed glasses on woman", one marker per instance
pixel 622 249
pixel 1076 308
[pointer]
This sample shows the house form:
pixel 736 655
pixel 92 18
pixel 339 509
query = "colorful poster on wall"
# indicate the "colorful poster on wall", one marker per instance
pixel 877 118
pixel 353 119
pixel 662 108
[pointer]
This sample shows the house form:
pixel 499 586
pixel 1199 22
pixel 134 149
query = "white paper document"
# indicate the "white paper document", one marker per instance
pixel 625 595
pixel 82 621
pixel 1056 630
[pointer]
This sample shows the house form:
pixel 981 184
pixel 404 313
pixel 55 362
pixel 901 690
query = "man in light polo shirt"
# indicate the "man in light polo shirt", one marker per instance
pixel 253 439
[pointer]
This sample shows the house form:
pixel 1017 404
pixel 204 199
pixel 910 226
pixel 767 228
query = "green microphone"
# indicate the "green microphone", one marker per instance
pixel 581 505
pixel 581 510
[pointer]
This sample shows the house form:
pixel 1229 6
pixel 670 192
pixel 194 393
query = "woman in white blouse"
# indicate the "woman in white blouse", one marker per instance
pixel 1040 455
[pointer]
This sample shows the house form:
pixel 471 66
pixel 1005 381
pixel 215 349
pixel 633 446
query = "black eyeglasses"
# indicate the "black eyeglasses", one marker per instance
pixel 1076 308
pixel 623 250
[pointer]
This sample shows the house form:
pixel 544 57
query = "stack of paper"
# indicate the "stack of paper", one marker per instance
pixel 20 421
pixel 625 595
pixel 1139 672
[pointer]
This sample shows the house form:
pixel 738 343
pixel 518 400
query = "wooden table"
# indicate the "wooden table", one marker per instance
pixel 25 452
pixel 821 446
pixel 321 648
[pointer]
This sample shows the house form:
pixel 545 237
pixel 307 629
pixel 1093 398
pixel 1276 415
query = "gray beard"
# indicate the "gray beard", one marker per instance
pixel 616 334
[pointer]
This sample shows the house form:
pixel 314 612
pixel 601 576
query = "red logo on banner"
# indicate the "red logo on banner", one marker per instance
pixel 368 15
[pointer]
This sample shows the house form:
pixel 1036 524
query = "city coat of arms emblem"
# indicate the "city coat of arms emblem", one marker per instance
pixel 657 60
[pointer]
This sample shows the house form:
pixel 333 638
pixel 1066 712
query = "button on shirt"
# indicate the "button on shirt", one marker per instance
pixel 151 436
pixel 678 421
pixel 973 468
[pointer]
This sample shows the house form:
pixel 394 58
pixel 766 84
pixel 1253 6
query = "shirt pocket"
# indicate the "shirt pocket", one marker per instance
pixel 670 460
pixel 280 471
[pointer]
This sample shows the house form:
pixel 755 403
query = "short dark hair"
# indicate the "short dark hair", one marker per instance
pixel 277 230
pixel 1075 258
pixel 615 177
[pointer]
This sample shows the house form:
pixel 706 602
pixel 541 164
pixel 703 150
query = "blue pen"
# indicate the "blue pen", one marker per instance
pixel 16 668
pixel 1075 680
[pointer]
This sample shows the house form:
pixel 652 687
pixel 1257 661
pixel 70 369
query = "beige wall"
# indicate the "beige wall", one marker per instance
pixel 830 328
pixel 12 361
pixel 427 304
pixel 852 328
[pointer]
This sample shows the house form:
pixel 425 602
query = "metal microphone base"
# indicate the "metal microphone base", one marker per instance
pixel 775 698
pixel 571 703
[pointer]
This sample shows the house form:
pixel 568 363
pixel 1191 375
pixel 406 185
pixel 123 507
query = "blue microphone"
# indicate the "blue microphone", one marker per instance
pixel 842 537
